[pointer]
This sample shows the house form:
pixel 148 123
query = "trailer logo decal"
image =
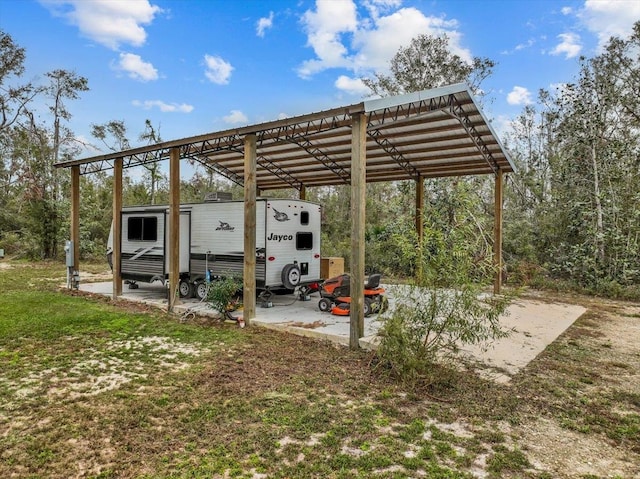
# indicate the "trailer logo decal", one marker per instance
pixel 279 216
pixel 224 226
pixel 279 238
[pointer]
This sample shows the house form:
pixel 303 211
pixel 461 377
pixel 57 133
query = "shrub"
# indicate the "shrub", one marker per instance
pixel 224 295
pixel 429 324
pixel 447 307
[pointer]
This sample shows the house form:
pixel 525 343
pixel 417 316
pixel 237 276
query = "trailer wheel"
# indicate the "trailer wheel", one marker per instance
pixel 324 305
pixel 185 289
pixel 201 290
pixel 290 276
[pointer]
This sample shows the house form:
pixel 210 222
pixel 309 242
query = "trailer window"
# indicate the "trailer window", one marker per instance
pixel 304 241
pixel 304 218
pixel 143 228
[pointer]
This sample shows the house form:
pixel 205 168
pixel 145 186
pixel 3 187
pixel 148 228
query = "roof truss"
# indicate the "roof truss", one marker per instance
pixel 439 132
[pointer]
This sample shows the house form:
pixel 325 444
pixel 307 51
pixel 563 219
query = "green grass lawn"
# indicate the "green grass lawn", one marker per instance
pixel 93 389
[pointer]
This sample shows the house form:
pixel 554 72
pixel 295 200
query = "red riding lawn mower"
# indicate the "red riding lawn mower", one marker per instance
pixel 336 296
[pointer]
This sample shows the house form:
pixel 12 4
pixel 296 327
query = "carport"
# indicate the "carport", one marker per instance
pixel 433 133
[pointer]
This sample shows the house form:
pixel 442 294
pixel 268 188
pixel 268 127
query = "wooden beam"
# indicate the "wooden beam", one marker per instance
pixel 117 228
pixel 303 193
pixel 249 272
pixel 174 227
pixel 419 207
pixel 75 215
pixel 358 211
pixel 497 242
pixel 419 222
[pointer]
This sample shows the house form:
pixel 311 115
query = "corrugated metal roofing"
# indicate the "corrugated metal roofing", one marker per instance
pixel 432 133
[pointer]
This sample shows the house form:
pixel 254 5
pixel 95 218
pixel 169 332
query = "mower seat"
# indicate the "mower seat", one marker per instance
pixel 373 282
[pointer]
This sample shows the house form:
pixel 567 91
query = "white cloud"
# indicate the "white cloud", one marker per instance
pixel 520 46
pixel 569 45
pixel 377 45
pixel 283 116
pixel 341 40
pixel 377 7
pixel 136 68
pixel 566 10
pixel 324 28
pixel 163 107
pixel 218 70
pixel 529 43
pixel 107 22
pixel 235 117
pixel 263 24
pixel 607 18
pixel 353 86
pixel 519 96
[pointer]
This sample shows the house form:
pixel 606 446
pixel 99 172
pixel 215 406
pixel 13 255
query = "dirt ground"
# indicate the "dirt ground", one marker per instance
pixel 610 327
pixel 613 329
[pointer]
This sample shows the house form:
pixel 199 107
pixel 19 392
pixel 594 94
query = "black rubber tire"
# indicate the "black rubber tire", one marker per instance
pixel 290 276
pixel 185 289
pixel 201 290
pixel 367 307
pixel 324 305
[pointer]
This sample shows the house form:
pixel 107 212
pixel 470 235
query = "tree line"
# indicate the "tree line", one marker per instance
pixel 572 214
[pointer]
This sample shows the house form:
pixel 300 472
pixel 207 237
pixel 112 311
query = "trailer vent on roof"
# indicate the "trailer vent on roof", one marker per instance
pixel 217 196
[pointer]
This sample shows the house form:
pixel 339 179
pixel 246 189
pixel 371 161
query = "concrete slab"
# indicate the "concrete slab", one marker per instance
pixel 536 324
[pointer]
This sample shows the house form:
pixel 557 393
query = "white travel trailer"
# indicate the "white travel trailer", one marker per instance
pixel 212 244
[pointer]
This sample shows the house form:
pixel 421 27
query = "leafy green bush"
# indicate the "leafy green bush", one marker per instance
pixel 11 242
pixel 224 294
pixel 428 324
pixel 447 307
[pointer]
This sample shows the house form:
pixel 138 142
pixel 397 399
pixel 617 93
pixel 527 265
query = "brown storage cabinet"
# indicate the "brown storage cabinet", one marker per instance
pixel 331 266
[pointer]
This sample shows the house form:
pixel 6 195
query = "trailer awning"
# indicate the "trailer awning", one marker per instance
pixel 433 133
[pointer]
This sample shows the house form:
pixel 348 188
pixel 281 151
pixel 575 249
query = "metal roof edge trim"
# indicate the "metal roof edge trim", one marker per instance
pixel 397 100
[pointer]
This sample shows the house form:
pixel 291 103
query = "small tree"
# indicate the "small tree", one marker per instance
pixel 224 295
pixel 447 307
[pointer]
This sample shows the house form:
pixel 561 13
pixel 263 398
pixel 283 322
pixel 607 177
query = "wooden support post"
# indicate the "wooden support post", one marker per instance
pixel 117 227
pixel 358 211
pixel 419 223
pixel 419 207
pixel 75 215
pixel 174 227
pixel 497 242
pixel 303 193
pixel 249 272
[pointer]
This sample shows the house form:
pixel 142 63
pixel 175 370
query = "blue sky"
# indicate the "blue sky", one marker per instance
pixel 196 66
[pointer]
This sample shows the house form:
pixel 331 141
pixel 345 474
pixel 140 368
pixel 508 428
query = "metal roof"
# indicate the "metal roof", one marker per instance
pixel 432 133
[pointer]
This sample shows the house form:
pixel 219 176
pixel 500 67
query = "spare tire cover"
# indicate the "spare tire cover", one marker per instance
pixel 290 276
